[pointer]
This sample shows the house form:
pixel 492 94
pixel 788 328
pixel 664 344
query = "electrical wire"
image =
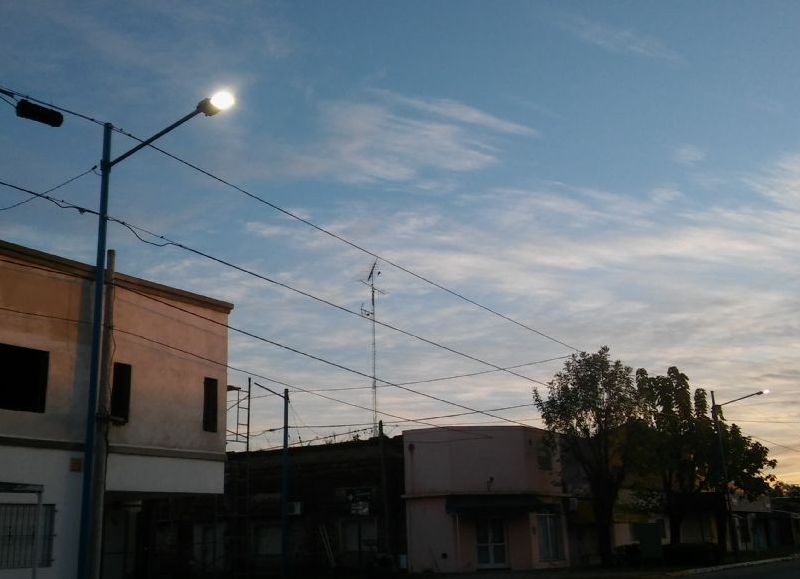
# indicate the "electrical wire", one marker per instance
pixel 34 195
pixel 307 222
pixel 313 357
pixel 234 368
pixel 249 334
pixel 393 422
pixel 166 241
pixel 774 443
pixel 16 94
pixel 443 378
pixel 353 244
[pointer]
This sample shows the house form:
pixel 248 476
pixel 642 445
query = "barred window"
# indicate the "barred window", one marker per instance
pixel 17 531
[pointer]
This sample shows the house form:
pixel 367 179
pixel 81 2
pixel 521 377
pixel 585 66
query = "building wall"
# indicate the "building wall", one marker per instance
pixel 495 458
pixel 167 385
pixel 485 461
pixel 45 304
pixel 432 538
pixel 50 468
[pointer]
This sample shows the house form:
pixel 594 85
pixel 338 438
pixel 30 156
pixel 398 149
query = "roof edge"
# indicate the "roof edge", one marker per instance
pixel 78 269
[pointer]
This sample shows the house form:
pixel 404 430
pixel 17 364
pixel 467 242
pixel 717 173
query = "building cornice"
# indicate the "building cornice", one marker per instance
pixel 77 269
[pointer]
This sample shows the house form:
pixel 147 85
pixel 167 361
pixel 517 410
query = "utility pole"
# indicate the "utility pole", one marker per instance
pixel 284 480
pixel 715 410
pixel 103 418
pixel 723 469
pixel 387 538
pixel 285 489
pixel 374 272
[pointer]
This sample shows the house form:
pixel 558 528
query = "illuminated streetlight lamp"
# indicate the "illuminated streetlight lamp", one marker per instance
pixel 715 411
pixel 92 494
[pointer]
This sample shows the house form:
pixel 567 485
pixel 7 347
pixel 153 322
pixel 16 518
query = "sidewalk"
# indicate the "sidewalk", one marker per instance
pixel 631 573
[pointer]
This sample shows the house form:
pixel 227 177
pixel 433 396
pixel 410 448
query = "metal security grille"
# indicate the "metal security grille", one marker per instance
pixel 17 530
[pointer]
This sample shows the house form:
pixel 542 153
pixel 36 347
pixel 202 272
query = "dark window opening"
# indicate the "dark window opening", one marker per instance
pixel 23 378
pixel 210 405
pixel 121 393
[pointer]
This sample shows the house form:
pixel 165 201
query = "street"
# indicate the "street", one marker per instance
pixel 779 570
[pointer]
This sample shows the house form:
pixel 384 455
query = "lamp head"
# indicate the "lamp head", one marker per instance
pixel 760 392
pixel 220 101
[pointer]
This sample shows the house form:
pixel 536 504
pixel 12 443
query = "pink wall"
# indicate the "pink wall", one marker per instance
pixel 477 459
pixel 497 460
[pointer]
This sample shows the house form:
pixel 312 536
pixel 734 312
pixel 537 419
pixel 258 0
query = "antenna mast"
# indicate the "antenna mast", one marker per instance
pixel 374 272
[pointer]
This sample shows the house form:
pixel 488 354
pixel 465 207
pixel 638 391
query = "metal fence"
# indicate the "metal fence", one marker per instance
pixel 17 532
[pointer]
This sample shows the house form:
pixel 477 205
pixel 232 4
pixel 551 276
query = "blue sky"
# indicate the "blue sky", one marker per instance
pixel 621 173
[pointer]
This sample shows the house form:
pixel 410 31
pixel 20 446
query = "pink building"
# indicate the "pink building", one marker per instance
pixel 162 401
pixel 483 498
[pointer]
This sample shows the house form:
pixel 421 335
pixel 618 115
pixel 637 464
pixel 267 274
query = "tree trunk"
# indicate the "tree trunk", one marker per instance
pixel 676 511
pixel 604 519
pixel 721 516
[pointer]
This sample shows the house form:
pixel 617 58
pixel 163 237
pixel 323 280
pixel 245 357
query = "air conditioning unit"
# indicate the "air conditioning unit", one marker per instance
pixel 294 508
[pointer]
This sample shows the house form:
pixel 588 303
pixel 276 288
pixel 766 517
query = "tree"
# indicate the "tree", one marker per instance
pixel 681 446
pixel 591 406
pixel 678 443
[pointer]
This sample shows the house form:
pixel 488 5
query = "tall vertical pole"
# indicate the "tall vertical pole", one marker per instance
pixel 387 538
pixel 103 402
pixel 724 470
pixel 374 361
pixel 86 538
pixel 285 489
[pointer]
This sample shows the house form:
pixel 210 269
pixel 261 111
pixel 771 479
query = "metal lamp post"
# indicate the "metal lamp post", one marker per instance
pixel 715 410
pixel 91 522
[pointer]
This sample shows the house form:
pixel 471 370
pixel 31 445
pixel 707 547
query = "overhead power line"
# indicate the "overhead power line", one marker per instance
pixel 443 378
pixel 236 369
pixel 308 223
pixel 40 196
pixel 136 230
pixel 316 358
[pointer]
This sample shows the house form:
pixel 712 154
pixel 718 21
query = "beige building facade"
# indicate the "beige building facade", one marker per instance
pixel 164 402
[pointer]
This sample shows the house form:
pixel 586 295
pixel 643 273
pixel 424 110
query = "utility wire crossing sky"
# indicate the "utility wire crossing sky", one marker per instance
pixel 534 179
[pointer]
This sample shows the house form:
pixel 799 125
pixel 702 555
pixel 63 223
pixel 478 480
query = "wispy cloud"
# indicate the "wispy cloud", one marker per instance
pixel 460 112
pixel 367 142
pixel 780 182
pixel 688 154
pixel 620 40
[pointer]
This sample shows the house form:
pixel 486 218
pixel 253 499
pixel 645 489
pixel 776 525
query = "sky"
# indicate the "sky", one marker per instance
pixel 599 173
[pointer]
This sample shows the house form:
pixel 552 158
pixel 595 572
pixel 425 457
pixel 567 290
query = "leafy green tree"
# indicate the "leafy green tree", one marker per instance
pixel 591 406
pixel 679 442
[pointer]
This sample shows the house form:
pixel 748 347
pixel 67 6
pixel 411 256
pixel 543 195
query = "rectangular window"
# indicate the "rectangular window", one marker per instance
pixel 18 525
pixel 363 528
pixel 23 378
pixel 121 393
pixel 549 531
pixel 210 405
pixel 491 543
pixel 267 540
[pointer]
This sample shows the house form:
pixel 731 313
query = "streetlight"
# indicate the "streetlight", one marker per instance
pixel 715 411
pixel 91 528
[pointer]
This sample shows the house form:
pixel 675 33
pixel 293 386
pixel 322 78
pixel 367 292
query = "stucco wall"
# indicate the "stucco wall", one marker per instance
pixel 50 468
pixel 431 537
pixel 45 304
pixel 166 384
pixel 58 301
pixel 496 459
